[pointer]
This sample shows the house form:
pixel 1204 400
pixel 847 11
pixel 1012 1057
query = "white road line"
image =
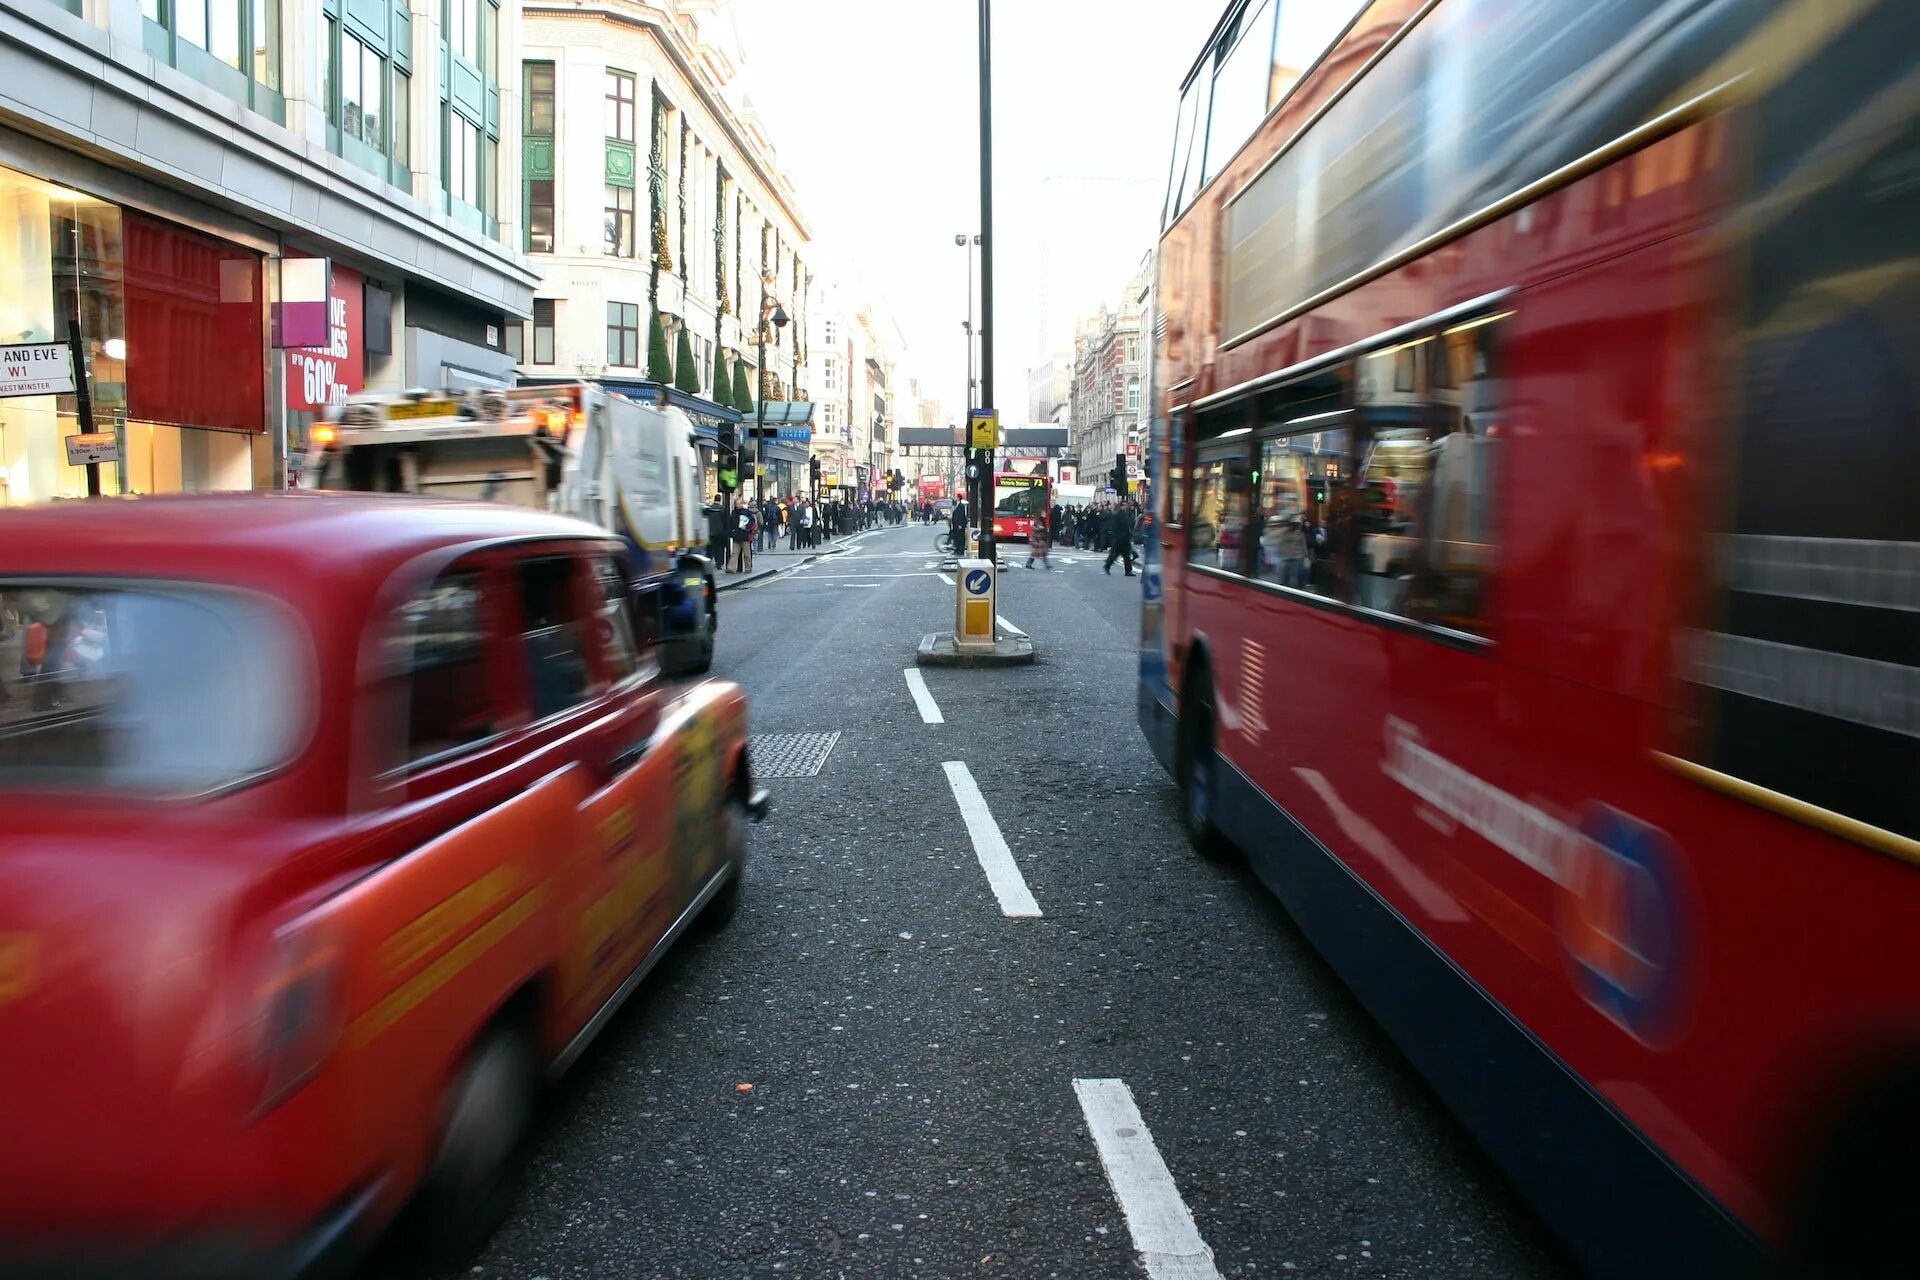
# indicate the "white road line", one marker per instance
pixel 1157 1218
pixel 1003 875
pixel 923 698
pixel 1008 626
pixel 946 579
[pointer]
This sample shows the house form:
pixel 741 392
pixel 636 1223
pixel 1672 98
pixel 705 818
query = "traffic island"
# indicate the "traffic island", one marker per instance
pixel 937 649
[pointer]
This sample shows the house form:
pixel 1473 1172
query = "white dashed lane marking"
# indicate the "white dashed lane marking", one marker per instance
pixel 1162 1228
pixel 1003 874
pixel 923 698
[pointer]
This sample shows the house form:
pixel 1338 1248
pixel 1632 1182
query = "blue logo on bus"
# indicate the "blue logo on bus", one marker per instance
pixel 977 582
pixel 1620 921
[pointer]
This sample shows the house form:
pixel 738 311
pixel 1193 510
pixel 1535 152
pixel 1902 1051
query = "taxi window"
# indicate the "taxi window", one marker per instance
pixel 159 689
pixel 553 634
pixel 617 646
pixel 442 640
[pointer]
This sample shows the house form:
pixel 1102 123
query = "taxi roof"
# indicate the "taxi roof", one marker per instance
pixel 268 540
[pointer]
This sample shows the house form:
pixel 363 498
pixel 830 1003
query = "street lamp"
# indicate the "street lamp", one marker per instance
pixel 760 401
pixel 969 243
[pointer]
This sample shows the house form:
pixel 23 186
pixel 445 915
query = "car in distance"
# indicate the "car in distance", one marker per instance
pixel 334 826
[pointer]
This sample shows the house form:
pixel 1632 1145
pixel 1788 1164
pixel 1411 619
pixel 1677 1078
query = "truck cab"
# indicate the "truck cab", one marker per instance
pixel 573 448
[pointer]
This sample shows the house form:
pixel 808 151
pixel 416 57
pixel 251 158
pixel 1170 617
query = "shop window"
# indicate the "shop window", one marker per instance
pixel 620 106
pixel 619 229
pixel 439 646
pixel 623 334
pixel 543 309
pixel 516 336
pixel 186 295
pixel 553 639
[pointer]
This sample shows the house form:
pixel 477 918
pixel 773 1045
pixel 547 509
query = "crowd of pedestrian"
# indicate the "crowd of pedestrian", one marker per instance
pixel 735 533
pixel 1112 527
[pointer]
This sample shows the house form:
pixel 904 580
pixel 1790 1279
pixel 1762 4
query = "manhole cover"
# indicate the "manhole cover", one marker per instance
pixel 790 755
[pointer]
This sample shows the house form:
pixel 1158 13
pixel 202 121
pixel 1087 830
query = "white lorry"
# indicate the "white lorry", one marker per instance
pixel 628 467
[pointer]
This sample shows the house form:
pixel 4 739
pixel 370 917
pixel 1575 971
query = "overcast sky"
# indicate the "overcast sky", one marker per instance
pixel 873 105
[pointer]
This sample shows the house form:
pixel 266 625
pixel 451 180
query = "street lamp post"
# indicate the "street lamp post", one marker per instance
pixel 968 244
pixel 983 460
pixel 779 319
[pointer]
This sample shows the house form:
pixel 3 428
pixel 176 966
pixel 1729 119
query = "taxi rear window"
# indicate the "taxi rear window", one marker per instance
pixel 151 689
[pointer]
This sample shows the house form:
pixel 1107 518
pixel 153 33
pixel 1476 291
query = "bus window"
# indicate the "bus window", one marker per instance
pixel 1430 421
pixel 1218 533
pixel 1295 476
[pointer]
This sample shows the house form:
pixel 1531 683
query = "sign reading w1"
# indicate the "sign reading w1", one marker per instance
pixel 36 369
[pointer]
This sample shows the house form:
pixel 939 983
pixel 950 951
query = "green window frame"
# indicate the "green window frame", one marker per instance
pixel 470 185
pixel 367 65
pixel 231 46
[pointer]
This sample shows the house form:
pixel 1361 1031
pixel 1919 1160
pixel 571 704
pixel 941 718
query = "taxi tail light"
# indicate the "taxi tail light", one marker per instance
pixel 298 1009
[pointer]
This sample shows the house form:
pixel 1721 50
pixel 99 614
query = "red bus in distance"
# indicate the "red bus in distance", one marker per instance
pixel 1533 600
pixel 1018 500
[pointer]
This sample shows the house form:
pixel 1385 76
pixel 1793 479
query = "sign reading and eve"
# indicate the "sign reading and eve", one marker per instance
pixel 36 369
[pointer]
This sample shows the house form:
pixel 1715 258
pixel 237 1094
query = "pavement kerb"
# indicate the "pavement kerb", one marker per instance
pixel 758 575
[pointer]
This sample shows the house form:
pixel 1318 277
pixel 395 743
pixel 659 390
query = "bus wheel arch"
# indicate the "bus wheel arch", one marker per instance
pixel 1196 760
pixel 1856 1179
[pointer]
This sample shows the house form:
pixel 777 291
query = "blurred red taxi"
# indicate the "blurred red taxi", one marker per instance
pixel 333 826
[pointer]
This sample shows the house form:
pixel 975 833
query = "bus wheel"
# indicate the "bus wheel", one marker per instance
pixel 1199 769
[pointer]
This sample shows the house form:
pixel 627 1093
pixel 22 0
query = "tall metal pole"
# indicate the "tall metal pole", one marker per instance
pixel 760 398
pixel 988 551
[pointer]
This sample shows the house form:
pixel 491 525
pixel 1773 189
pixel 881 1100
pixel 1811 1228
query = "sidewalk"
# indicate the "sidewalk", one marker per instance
pixel 768 563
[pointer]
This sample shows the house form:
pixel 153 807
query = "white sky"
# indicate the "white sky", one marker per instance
pixel 874 108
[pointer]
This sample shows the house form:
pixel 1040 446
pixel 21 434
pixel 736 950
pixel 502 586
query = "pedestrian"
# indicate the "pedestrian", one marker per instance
pixel 717 533
pixel 745 525
pixel 957 527
pixel 769 526
pixel 1120 537
pixel 1039 542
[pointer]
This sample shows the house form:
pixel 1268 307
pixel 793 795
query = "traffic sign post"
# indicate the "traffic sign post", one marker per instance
pixel 974 605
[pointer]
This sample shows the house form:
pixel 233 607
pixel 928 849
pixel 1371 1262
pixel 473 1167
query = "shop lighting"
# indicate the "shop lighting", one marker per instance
pixel 1315 417
pixel 1237 431
pixel 114 348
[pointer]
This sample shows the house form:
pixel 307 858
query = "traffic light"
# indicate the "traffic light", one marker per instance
pixel 1119 474
pixel 727 458
pixel 813 470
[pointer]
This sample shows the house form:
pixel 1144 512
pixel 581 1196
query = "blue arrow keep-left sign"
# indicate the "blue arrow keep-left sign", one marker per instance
pixel 977 582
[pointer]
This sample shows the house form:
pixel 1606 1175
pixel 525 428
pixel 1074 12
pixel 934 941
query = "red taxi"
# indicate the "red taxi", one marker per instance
pixel 333 826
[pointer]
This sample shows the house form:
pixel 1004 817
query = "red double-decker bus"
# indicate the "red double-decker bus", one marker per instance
pixel 1018 500
pixel 1536 599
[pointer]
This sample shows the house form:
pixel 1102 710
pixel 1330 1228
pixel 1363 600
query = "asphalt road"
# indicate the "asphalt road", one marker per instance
pixel 912 1051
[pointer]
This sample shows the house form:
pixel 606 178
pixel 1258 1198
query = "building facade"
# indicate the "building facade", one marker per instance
pixel 237 212
pixel 665 235
pixel 1108 388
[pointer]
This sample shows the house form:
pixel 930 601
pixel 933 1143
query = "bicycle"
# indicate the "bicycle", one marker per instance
pixel 945 544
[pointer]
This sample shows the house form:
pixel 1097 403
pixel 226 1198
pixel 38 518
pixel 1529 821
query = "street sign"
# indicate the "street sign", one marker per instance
pixel 92 446
pixel 1133 449
pixel 983 429
pixel 978 581
pixel 36 369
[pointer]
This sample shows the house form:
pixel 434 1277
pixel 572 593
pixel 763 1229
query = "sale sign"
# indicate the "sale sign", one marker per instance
pixel 320 376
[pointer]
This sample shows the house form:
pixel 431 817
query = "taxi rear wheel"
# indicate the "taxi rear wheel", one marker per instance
pixel 733 850
pixel 475 1176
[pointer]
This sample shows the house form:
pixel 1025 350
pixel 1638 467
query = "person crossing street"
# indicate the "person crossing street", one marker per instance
pixel 1120 537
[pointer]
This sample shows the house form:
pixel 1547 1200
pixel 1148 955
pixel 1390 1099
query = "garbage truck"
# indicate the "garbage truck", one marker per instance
pixel 629 467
